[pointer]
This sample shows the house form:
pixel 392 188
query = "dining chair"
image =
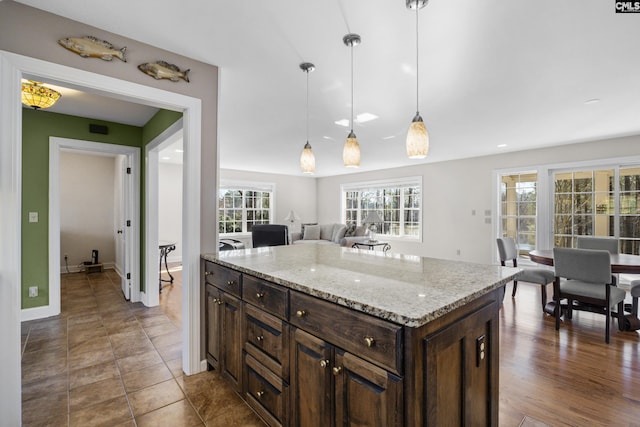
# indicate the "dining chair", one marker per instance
pixel 610 244
pixel 584 276
pixel 509 252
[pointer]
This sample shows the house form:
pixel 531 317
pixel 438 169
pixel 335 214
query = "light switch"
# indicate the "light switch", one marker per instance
pixel 33 216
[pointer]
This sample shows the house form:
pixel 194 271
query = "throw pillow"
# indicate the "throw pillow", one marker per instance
pixel 351 230
pixel 361 230
pixel 326 231
pixel 311 232
pixel 302 226
pixel 338 232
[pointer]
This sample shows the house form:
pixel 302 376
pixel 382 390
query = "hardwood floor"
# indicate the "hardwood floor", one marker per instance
pixel 568 377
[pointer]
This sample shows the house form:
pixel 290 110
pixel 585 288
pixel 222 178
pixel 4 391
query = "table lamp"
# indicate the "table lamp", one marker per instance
pixel 372 218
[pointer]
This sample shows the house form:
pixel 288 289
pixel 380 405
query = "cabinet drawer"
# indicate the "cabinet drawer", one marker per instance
pixel 366 336
pixel 266 393
pixel 266 339
pixel 271 298
pixel 223 278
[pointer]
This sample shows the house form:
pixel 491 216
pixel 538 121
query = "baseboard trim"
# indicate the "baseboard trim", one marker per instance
pixel 80 269
pixel 36 313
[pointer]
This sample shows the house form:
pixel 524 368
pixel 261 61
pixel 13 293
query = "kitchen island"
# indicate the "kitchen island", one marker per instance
pixel 319 335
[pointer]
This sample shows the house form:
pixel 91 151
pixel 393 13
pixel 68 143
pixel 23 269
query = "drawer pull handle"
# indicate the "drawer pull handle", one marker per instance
pixel 259 338
pixel 370 341
pixel 260 295
pixel 208 273
pixel 259 394
pixel 337 370
pixel 301 313
pixel 324 363
pixel 231 282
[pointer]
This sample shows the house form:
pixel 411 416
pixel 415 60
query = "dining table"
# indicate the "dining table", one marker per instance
pixel 620 263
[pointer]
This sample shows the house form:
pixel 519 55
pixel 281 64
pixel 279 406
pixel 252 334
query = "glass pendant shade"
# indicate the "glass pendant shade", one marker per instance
pixel 417 139
pixel 37 96
pixel 307 159
pixel 351 152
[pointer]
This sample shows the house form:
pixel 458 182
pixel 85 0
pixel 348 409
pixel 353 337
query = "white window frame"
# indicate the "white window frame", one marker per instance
pixel 269 187
pixel 387 183
pixel 545 193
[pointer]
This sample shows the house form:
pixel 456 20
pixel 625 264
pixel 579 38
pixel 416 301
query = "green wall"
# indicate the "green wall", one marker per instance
pixel 37 127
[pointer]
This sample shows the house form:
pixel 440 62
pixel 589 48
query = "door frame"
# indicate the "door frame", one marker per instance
pixel 12 68
pixel 132 205
pixel 151 293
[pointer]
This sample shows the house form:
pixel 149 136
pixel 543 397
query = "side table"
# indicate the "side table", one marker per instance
pixel 372 244
pixel 165 248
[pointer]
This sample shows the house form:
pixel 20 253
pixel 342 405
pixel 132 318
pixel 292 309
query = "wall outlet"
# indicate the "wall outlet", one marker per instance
pixel 33 291
pixel 33 216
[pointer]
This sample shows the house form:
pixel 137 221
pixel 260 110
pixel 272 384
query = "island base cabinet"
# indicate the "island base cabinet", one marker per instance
pixel 331 387
pixel 224 345
pixel 461 367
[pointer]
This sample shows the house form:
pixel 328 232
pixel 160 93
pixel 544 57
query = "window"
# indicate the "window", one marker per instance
pixel 552 206
pixel 240 206
pixel 518 207
pixel 398 203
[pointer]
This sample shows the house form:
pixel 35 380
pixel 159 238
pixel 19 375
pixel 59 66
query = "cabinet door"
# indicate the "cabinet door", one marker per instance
pixel 461 366
pixel 213 323
pixel 231 350
pixel 366 395
pixel 310 381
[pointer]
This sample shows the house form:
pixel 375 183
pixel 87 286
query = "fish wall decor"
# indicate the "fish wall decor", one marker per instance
pixel 163 70
pixel 92 47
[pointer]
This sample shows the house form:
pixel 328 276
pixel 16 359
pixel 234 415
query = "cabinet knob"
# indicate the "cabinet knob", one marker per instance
pixel 301 313
pixel 260 338
pixel 231 282
pixel 370 341
pixel 337 370
pixel 215 300
pixel 208 273
pixel 259 394
pixel 324 363
pixel 219 302
pixel 260 295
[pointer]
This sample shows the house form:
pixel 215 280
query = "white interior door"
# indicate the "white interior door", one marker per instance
pixel 120 206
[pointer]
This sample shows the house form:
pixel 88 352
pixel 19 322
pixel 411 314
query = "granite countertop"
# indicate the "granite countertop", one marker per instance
pixel 405 289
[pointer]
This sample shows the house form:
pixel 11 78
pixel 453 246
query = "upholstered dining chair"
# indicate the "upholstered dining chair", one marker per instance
pixel 509 252
pixel 584 275
pixel 603 243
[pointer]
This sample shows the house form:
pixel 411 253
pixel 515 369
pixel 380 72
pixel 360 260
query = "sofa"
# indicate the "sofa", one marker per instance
pixel 330 234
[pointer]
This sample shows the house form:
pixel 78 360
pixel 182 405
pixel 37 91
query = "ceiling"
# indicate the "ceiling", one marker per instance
pixel 494 75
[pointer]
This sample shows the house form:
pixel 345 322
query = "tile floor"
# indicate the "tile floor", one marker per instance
pixel 107 362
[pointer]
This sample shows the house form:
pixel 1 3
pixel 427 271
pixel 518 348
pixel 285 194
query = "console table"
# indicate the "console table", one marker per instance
pixel 165 249
pixel 372 244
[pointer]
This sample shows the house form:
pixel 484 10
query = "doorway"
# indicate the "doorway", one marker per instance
pixel 12 68
pixel 130 208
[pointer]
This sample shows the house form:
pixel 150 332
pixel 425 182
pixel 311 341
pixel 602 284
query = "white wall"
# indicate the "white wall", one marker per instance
pixel 453 189
pixel 86 208
pixel 292 192
pixel 170 207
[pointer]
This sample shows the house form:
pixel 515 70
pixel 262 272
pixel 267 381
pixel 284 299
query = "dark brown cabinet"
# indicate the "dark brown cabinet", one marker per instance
pixel 302 361
pixel 331 387
pixel 224 322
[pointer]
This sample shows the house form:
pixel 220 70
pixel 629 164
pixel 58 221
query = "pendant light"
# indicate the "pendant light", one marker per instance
pixel 307 159
pixel 417 137
pixel 351 151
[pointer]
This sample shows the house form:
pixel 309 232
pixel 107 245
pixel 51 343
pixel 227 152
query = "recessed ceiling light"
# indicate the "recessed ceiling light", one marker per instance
pixel 365 117
pixel 179 150
pixel 502 145
pixel 166 158
pixel 328 137
pixel 357 280
pixel 592 101
pixel 343 122
pixel 389 137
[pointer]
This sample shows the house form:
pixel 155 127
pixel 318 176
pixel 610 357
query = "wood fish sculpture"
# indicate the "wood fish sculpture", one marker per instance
pixel 163 70
pixel 93 47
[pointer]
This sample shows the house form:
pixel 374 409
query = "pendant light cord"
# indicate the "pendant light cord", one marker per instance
pixel 307 71
pixel 417 61
pixel 352 87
